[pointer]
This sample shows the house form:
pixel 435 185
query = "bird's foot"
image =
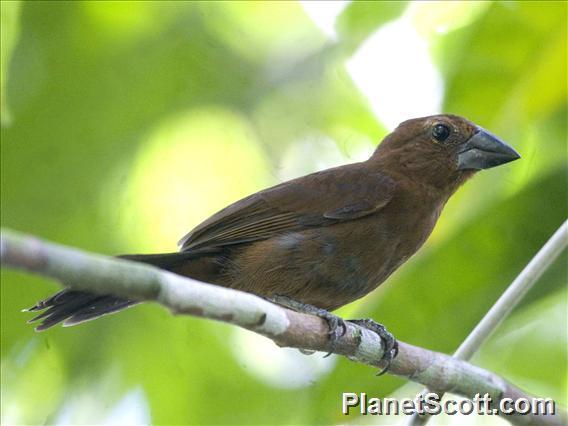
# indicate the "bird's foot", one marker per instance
pixel 389 342
pixel 337 327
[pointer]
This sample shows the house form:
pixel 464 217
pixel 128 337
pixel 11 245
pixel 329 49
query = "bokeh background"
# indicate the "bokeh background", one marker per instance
pixel 125 124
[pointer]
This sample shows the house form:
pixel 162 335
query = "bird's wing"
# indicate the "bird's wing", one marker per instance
pixel 320 199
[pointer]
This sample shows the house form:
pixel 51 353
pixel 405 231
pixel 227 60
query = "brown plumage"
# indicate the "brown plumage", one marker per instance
pixel 328 238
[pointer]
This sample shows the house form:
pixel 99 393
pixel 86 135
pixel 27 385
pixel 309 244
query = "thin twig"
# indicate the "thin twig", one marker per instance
pixel 507 302
pixel 106 275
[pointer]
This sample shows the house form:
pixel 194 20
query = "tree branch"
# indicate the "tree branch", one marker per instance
pixel 107 275
pixel 505 304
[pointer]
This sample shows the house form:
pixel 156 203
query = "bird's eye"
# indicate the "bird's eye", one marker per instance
pixel 440 132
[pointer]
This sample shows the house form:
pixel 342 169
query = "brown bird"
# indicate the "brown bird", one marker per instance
pixel 326 239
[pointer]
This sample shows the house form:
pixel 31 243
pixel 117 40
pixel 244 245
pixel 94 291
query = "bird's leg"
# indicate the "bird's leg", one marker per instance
pixel 389 342
pixel 336 324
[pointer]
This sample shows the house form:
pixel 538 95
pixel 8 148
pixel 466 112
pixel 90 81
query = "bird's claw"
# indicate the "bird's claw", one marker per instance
pixel 387 339
pixel 337 326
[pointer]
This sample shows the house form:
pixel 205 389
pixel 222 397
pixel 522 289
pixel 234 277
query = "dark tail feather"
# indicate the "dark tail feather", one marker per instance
pixel 74 307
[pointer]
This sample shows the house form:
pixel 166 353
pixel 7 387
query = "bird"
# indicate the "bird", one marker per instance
pixel 321 241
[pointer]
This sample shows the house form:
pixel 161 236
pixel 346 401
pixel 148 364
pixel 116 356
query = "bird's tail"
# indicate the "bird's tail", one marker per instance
pixel 74 307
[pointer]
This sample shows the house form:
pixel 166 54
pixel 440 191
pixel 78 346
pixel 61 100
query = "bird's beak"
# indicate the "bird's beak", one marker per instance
pixel 483 151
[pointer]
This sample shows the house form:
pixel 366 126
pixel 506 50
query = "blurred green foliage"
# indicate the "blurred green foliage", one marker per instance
pixel 133 121
pixel 9 35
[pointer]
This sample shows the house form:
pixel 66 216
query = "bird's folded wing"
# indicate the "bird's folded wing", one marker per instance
pixel 320 199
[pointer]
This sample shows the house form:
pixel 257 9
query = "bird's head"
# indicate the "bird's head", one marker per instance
pixel 442 150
